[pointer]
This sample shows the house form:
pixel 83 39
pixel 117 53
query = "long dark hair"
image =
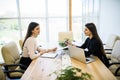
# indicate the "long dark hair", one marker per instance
pixel 31 27
pixel 92 28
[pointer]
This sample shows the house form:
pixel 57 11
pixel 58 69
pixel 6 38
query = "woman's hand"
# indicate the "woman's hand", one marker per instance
pixel 54 49
pixel 68 42
pixel 48 50
pixel 42 52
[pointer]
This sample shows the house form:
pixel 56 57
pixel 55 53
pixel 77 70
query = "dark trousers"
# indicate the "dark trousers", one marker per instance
pixel 25 61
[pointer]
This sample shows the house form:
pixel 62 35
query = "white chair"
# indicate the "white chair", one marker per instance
pixel 110 41
pixel 115 59
pixel 20 43
pixel 11 56
pixel 2 75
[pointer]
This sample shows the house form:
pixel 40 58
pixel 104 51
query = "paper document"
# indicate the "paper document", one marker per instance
pixel 49 55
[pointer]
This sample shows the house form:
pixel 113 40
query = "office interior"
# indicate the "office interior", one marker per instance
pixel 56 16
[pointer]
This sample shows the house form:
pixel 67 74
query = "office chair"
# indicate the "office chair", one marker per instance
pixel 2 75
pixel 115 59
pixel 62 36
pixel 11 58
pixel 20 43
pixel 108 46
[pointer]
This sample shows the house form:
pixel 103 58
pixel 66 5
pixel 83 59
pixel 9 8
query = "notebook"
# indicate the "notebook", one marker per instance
pixel 49 55
pixel 78 53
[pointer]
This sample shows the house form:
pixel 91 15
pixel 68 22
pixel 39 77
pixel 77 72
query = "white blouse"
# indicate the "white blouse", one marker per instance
pixel 30 47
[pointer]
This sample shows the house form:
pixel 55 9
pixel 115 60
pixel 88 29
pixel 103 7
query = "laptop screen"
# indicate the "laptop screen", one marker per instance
pixel 79 54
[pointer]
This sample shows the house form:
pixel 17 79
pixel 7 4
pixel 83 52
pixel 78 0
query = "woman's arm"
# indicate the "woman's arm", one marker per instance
pixel 46 50
pixel 93 48
pixel 32 48
pixel 84 45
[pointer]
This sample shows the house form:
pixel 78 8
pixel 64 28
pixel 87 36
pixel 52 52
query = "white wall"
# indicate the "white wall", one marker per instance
pixel 109 18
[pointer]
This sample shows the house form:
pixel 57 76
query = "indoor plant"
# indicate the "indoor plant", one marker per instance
pixel 72 73
pixel 63 43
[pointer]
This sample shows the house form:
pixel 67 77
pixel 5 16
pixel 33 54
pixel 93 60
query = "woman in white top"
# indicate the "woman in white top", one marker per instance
pixel 30 48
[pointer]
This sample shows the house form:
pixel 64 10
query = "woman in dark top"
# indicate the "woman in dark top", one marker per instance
pixel 93 44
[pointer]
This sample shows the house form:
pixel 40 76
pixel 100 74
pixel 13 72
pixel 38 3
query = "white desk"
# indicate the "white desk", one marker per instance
pixel 41 68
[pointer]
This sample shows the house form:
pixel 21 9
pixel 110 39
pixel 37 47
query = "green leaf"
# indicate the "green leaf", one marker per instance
pixel 70 73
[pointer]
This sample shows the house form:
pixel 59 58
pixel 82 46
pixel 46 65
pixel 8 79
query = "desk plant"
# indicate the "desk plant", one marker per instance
pixel 63 43
pixel 73 73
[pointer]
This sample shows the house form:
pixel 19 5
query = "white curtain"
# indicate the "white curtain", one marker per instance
pixel 90 12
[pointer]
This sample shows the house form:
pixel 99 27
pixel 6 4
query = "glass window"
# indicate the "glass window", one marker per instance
pixel 52 15
pixel 9 31
pixel 56 25
pixel 32 8
pixel 57 18
pixel 77 29
pixel 25 23
pixel 49 13
pixel 77 19
pixel 76 8
pixel 57 8
pixel 8 8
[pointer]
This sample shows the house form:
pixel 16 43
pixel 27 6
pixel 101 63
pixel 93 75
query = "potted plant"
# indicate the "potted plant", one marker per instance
pixel 72 73
pixel 63 43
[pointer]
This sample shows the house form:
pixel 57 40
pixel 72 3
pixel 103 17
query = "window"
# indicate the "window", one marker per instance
pixel 9 29
pixel 52 15
pixel 77 19
pixel 90 12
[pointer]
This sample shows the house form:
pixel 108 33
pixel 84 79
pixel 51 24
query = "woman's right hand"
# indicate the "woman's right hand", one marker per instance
pixel 68 42
pixel 42 52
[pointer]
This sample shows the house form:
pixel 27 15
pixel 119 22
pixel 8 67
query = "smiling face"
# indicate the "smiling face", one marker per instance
pixel 87 32
pixel 36 31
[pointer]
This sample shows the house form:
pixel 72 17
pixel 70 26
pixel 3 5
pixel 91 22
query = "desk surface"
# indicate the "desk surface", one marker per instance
pixel 44 68
pixel 98 70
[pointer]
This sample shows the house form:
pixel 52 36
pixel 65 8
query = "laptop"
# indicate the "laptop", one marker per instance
pixel 78 53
